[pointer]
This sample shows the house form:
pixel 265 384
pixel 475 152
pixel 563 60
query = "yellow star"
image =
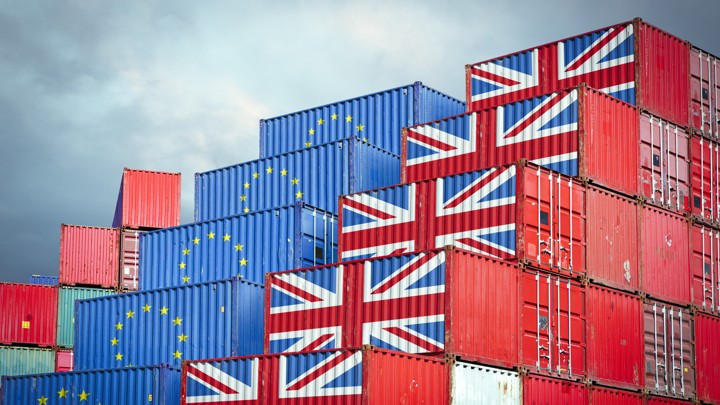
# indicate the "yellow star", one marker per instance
pixel 114 341
pixel 283 172
pixel 269 170
pixel 348 118
pixel 177 354
pixel 62 393
pixel 186 279
pixel 243 197
pixel 182 265
pixel 164 311
pixel 177 321
pixel 246 185
pixel 84 395
pixel 118 356
pixel 130 314
pixel 146 308
pixel 243 262
pixel 211 235
pixel 321 121
pixel 311 131
pixel 256 175
pixel 299 194
pixel 118 326
pixel 226 238
pixel 42 400
pixel 334 116
pixel 182 338
pixel 196 241
pixel 246 209
pixel 308 144
pixel 360 127
pixel 238 247
pixel 364 139
pixel 186 252
pixel 295 181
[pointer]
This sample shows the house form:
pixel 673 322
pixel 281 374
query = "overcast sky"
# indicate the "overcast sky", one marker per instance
pixel 90 87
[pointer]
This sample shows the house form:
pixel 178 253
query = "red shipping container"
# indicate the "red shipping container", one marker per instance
pixel 654 400
pixel 89 256
pixel 553 325
pixel 669 350
pixel 608 396
pixel 664 261
pixel 705 267
pixel 612 238
pixel 539 390
pixel 704 93
pixel 514 212
pixel 63 360
pixel 615 338
pixel 28 314
pixel 705 170
pixel 437 301
pixel 129 259
pixel 148 200
pixel 633 61
pixel 707 332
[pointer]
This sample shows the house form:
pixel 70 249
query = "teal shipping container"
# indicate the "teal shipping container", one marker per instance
pixel 18 360
pixel 66 310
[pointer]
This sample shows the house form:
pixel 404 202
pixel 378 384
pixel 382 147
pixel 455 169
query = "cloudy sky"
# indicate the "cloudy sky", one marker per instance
pixel 90 87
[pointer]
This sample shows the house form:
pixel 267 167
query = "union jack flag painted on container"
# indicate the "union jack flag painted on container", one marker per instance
pixel 222 382
pixel 543 130
pixel 474 211
pixel 603 59
pixel 322 374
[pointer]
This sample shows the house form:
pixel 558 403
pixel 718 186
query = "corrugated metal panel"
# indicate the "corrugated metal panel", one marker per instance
pixel 614 337
pixel 148 199
pixel 316 175
pixel 612 235
pixel 705 267
pixel 707 331
pixel 608 396
pixel 543 390
pixel 120 386
pixel 704 93
pixel 478 385
pixel 653 400
pixel 43 280
pixel 512 212
pixel 632 61
pixel 248 245
pixel 448 300
pixel 129 259
pixel 66 310
pixel 553 325
pixel 28 314
pixel 578 132
pixel 16 360
pixel 377 117
pixel 199 321
pixel 705 179
pixel 665 163
pixel 347 376
pixel 669 350
pixel 664 255
pixel 89 255
pixel 63 360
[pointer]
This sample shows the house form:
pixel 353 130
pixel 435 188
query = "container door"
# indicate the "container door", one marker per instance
pixel 705 171
pixel 553 325
pixel 704 93
pixel 129 260
pixel 318 237
pixel 705 267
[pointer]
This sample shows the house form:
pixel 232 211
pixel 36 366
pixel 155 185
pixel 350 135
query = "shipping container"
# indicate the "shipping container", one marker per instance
pixel 199 321
pixel 66 310
pixel 472 384
pixel 18 360
pixel 633 61
pixel 614 338
pixel 89 256
pixel 707 332
pixel 516 212
pixel 247 245
pixel 28 314
pixel 705 267
pixel 376 117
pixel 437 301
pixel 538 390
pixel 553 318
pixel 705 178
pixel 607 396
pixel 664 255
pixel 316 175
pixel 656 400
pixel 63 360
pixel 120 386
pixel 669 350
pixel 43 280
pixel 612 233
pixel 129 259
pixel 578 132
pixel 148 200
pixel 704 93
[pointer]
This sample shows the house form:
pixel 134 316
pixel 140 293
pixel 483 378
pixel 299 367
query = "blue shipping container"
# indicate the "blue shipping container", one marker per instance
pixel 316 175
pixel 198 321
pixel 43 280
pixel 120 386
pixel 247 246
pixel 377 117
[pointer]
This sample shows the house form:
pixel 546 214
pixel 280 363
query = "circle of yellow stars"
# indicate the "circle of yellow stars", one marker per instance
pixel 269 171
pixel 359 128
pixel 226 239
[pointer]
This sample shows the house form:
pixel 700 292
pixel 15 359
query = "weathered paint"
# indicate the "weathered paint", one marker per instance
pixel 705 180
pixel 28 314
pixel 18 360
pixel 89 256
pixel 148 200
pixel 704 93
pixel 129 259
pixel 543 390
pixel 705 267
pixel 707 331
